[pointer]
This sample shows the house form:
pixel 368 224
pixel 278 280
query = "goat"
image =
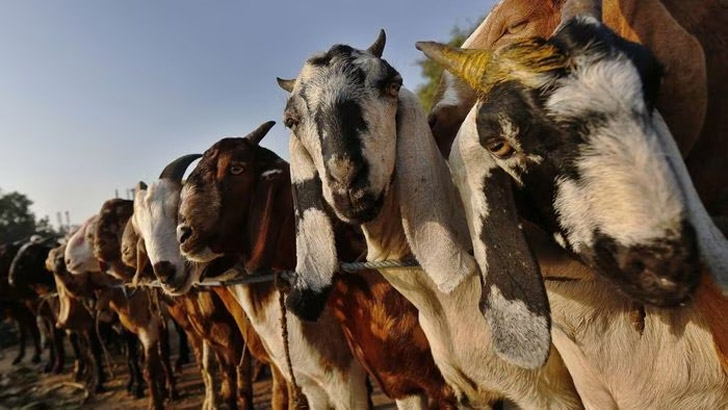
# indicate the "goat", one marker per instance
pixel 380 325
pixel 685 36
pixel 18 304
pixel 336 381
pixel 27 271
pixel 546 109
pixel 351 122
pixel 76 321
pixel 135 313
pixel 212 328
pixel 637 224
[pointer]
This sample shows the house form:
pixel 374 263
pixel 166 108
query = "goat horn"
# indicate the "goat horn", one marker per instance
pixel 286 84
pixel 377 48
pixel 260 132
pixel 175 170
pixel 466 64
pixel 574 8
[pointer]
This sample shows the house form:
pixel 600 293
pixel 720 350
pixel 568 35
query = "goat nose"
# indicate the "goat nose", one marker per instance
pixel 669 269
pixel 183 233
pixel 344 170
pixel 164 271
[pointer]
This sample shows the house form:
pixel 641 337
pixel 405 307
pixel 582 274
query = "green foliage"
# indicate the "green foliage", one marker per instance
pixel 16 219
pixel 431 71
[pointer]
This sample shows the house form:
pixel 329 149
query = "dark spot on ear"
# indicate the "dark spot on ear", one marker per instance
pixel 307 194
pixel 511 264
pixel 307 304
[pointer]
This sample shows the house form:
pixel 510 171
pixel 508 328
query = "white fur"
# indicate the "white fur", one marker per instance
pixel 79 252
pixel 324 387
pixel 673 364
pixel 626 189
pixel 270 173
pixel 458 333
pixel 155 220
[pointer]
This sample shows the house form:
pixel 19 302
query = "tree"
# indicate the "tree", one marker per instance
pixel 432 71
pixel 16 220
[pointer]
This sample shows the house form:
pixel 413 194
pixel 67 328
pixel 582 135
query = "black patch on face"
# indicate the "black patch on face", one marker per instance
pixel 343 124
pixel 307 304
pixel 512 267
pixel 637 270
pixel 537 135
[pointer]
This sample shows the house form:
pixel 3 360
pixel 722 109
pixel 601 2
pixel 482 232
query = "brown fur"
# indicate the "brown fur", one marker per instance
pixel 689 38
pixel 138 313
pixel 711 303
pixel 379 324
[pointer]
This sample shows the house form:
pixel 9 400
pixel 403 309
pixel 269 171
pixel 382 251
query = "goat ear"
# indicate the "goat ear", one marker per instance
pixel 712 243
pixel 270 213
pixel 650 23
pixel 432 216
pixel 315 247
pixel 514 298
pixel 286 85
pixel 142 260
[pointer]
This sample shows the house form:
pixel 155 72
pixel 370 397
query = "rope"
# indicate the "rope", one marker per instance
pixel 299 400
pixel 264 276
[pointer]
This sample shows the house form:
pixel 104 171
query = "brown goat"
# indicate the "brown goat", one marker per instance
pixel 687 37
pixel 255 220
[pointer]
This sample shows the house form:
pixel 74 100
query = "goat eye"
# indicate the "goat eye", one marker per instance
pixel 236 169
pixel 501 149
pixel 290 123
pixel 516 28
pixel 393 88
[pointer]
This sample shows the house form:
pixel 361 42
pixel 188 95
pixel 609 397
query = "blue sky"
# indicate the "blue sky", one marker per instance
pixel 99 94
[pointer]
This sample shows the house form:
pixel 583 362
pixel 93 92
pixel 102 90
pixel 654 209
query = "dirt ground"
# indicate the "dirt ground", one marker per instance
pixel 24 386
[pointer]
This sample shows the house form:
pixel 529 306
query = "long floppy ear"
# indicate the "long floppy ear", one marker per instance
pixel 141 262
pixel 432 215
pixel 514 299
pixel 648 22
pixel 269 217
pixel 316 258
pixel 712 243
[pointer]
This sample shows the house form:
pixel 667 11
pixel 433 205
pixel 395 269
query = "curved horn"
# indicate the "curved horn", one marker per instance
pixel 377 48
pixel 466 64
pixel 260 132
pixel 175 170
pixel 573 8
pixel 286 84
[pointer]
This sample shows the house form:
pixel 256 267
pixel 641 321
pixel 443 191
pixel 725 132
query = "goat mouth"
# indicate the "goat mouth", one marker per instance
pixel 197 252
pixel 662 275
pixel 179 287
pixel 358 208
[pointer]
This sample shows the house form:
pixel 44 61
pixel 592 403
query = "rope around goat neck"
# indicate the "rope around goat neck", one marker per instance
pixel 299 400
pixel 268 276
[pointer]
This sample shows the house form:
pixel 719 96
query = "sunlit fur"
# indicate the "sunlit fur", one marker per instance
pixel 421 215
pixel 349 78
pixel 79 252
pixel 155 220
pixel 577 111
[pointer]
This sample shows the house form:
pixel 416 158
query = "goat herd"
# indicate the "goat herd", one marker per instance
pixel 562 256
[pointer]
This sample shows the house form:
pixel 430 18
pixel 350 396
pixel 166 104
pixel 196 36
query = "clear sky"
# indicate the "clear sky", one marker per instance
pixel 99 94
